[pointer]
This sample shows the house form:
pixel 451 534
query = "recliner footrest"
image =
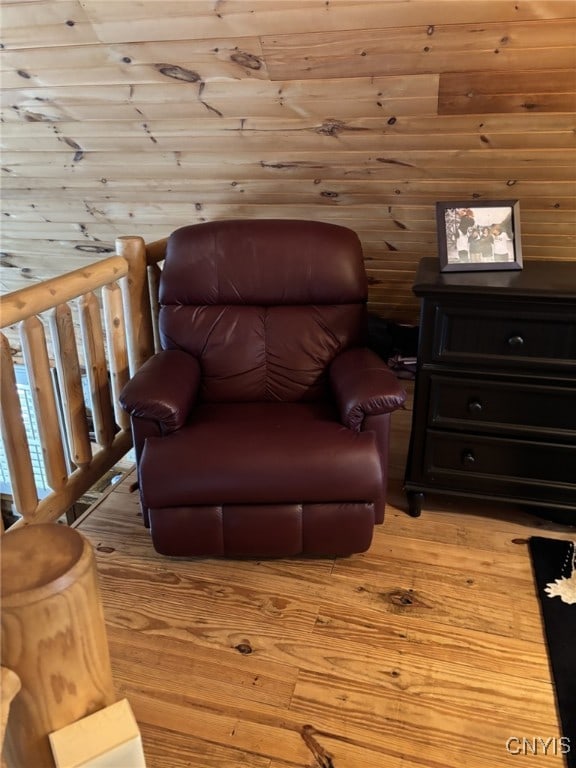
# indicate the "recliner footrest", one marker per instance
pixel 267 530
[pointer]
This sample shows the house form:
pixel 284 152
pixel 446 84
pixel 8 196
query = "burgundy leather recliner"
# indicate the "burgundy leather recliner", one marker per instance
pixel 261 428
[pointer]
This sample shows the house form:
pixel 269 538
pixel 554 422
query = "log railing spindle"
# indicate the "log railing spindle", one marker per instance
pixel 154 273
pixel 35 353
pixel 117 349
pixel 155 253
pixel 70 381
pixel 96 368
pixel 14 436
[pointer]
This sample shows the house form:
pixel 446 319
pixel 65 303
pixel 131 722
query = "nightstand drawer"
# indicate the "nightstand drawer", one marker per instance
pixel 504 338
pixel 495 466
pixel 502 406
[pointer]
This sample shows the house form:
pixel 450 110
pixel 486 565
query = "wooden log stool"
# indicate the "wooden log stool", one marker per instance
pixel 53 637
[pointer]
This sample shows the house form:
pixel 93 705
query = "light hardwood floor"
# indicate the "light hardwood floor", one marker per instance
pixel 428 650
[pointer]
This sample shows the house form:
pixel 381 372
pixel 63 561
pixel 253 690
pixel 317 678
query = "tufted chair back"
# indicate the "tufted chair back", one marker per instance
pixel 265 305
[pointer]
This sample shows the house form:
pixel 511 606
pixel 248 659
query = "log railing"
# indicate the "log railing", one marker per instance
pixel 115 302
pixel 144 279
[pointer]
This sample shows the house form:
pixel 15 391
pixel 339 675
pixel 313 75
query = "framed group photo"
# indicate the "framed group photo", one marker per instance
pixel 475 235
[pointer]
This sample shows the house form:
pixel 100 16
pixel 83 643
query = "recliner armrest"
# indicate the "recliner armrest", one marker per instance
pixel 163 389
pixel 362 386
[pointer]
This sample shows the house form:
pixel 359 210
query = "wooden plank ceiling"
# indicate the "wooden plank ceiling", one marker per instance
pixel 139 117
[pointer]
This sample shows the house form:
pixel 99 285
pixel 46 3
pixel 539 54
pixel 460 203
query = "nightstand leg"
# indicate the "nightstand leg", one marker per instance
pixel 415 502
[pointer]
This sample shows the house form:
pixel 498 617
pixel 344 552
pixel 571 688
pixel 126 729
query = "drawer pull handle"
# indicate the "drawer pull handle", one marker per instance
pixel 468 458
pixel 475 407
pixel 515 341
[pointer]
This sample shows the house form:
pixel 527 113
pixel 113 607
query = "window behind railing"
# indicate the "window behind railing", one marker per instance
pixel 33 435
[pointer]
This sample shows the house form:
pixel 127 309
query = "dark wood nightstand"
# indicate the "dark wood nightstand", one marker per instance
pixel 495 398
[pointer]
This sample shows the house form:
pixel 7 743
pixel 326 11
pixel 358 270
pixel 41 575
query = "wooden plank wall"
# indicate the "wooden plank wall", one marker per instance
pixel 138 117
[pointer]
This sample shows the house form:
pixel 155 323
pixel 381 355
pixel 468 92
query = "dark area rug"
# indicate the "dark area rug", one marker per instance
pixel 554 565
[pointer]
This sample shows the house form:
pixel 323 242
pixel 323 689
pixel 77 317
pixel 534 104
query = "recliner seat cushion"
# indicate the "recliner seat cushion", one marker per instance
pixel 260 453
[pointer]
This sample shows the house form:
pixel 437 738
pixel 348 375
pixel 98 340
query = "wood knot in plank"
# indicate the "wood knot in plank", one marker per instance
pixel 330 128
pixel 393 161
pixel 402 598
pixel 278 166
pixel 5 261
pixel 36 117
pixel 178 73
pixel 246 60
pixel 94 248
pixel 244 648
pixel 78 151
pixel 323 758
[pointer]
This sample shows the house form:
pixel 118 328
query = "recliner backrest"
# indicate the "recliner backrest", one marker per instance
pixel 265 305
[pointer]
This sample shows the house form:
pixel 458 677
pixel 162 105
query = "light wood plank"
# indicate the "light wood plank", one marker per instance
pixel 431 128
pixel 142 63
pixel 187 751
pixel 434 159
pixel 473 93
pixel 372 135
pixel 375 97
pixel 167 20
pixel 421 49
pixel 40 23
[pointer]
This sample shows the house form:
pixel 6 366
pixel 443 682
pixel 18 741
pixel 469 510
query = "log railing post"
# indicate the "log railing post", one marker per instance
pixel 137 301
pixel 53 637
